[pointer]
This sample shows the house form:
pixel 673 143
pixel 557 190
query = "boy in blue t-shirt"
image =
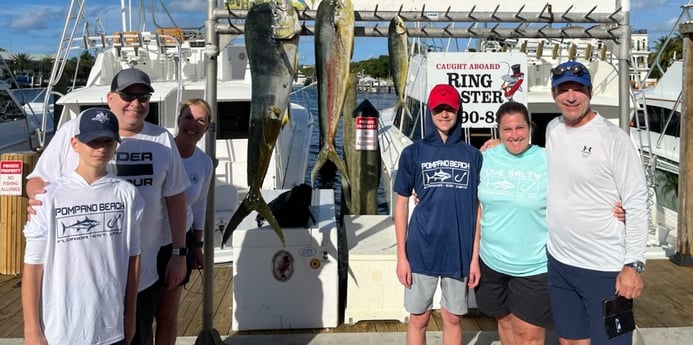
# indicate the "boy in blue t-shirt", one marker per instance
pixel 439 243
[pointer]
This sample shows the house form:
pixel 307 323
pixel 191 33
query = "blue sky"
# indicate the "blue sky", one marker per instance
pixel 34 26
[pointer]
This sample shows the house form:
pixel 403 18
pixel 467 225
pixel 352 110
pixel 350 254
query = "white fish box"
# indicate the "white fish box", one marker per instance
pixel 373 290
pixel 295 286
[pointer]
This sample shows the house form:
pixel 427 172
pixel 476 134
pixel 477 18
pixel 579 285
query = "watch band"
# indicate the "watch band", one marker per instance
pixel 637 266
pixel 179 251
pixel 199 244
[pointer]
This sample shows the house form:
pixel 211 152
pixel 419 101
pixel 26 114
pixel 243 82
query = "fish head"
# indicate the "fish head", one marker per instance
pixel 344 14
pixel 397 26
pixel 285 23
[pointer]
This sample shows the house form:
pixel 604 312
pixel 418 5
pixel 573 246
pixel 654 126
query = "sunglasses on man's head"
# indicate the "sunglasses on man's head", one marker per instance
pixel 576 70
pixel 129 97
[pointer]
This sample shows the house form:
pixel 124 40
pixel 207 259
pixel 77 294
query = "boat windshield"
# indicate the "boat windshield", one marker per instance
pixel 234 118
pixel 9 110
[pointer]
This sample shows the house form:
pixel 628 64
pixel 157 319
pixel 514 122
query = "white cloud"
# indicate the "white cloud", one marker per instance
pixel 37 17
pixel 187 5
pixel 642 4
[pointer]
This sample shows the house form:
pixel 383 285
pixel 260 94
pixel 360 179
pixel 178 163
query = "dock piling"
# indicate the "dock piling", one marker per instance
pixel 684 247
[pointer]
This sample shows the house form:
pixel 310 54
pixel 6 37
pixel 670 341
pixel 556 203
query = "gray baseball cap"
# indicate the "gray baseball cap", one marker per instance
pixel 128 77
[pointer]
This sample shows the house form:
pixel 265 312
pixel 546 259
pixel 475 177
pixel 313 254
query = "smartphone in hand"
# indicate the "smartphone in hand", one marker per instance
pixel 618 316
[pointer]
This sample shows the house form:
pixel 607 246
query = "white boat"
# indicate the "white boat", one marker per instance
pixel 174 59
pixel 302 80
pixel 658 137
pixel 20 116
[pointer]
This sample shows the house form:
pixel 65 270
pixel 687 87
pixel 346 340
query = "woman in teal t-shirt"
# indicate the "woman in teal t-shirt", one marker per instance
pixel 512 191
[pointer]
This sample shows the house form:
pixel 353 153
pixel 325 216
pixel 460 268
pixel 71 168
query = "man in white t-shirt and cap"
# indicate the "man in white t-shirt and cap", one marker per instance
pixel 148 158
pixel 591 254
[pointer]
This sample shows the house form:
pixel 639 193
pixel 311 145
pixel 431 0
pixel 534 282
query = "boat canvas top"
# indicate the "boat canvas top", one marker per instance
pixel 668 87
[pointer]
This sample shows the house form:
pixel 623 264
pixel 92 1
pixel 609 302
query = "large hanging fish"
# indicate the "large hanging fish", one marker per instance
pixel 271 37
pixel 334 42
pixel 399 61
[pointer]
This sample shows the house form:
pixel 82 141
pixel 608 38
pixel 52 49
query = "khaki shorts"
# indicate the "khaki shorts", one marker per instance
pixel 419 298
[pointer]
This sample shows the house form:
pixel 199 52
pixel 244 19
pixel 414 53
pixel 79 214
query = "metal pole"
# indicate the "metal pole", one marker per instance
pixel 624 69
pixel 209 335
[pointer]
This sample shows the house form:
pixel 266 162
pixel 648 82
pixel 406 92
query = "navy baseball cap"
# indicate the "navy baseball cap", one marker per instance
pixel 570 71
pixel 97 123
pixel 129 77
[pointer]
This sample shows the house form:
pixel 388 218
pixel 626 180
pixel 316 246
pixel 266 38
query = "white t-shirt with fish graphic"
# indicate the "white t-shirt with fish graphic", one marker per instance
pixel 84 236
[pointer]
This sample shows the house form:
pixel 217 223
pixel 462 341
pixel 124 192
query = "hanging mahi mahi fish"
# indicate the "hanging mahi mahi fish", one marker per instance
pixel 271 37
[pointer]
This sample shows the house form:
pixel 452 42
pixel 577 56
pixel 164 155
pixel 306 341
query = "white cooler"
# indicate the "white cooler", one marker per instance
pixel 296 286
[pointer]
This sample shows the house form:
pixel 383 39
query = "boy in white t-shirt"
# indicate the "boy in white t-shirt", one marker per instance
pixel 82 254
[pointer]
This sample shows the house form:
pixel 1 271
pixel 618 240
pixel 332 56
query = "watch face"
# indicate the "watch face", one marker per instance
pixel 638 266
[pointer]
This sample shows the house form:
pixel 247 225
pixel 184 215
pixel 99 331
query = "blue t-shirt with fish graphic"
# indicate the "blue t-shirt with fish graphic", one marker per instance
pixel 445 175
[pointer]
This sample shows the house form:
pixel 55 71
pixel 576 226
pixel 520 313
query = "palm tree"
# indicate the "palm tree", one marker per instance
pixel 673 50
pixel 22 63
pixel 46 65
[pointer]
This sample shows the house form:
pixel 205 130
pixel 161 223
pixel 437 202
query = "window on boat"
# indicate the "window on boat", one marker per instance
pixel 539 123
pixel 666 187
pixel 411 127
pixel 234 118
pixel 9 110
pixel 658 118
pixel 152 116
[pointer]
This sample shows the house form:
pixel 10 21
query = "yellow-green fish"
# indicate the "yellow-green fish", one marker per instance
pixel 397 47
pixel 271 37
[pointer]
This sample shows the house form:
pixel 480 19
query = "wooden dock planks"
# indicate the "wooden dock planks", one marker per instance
pixel 665 302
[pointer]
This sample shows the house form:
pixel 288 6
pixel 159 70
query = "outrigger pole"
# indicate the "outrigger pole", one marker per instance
pixel 209 335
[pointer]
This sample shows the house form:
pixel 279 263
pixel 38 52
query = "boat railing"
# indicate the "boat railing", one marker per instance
pixel 448 17
pixel 387 145
pixel 644 128
pixel 161 42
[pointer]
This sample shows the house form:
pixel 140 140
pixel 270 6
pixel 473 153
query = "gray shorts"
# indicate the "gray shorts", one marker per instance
pixel 419 298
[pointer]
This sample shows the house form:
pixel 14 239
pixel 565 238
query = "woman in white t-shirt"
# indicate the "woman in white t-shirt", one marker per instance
pixel 193 121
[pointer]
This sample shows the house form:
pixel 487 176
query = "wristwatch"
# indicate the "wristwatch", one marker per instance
pixel 637 266
pixel 179 251
pixel 199 244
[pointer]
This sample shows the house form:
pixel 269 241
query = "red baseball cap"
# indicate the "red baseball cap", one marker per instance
pixel 444 94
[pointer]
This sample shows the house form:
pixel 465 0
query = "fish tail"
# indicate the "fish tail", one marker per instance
pixel 341 166
pixel 398 106
pixel 406 110
pixel 286 119
pixel 262 208
pixel 241 212
pixel 319 162
pixel 329 153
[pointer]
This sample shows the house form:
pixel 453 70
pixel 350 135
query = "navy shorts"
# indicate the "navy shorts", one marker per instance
pixel 577 296
pixel 525 297
pixel 164 257
pixel 147 302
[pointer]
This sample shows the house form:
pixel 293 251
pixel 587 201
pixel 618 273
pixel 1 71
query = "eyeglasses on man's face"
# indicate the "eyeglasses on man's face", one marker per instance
pixel 576 70
pixel 129 97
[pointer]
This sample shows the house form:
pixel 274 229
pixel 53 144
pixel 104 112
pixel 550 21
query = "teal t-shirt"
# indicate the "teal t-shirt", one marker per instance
pixel 512 192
